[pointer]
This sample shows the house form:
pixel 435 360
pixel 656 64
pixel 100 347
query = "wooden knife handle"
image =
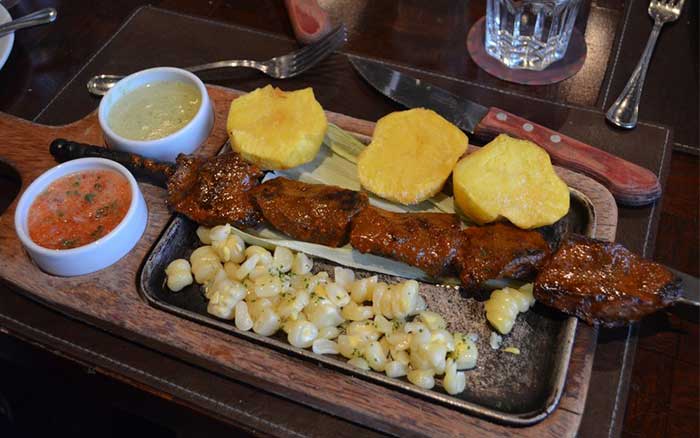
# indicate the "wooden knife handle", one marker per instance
pixel 629 183
pixel 309 21
pixel 143 168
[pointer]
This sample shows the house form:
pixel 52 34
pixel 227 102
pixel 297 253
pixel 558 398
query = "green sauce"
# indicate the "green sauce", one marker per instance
pixel 154 110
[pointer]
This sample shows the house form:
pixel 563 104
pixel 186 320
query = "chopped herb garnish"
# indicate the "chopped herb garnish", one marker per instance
pixel 76 183
pixel 73 192
pixel 98 187
pixel 59 213
pixel 98 232
pixel 102 211
pixel 69 243
pixel 89 197
pixel 105 210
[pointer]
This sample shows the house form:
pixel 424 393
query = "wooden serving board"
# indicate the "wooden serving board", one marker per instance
pixel 109 299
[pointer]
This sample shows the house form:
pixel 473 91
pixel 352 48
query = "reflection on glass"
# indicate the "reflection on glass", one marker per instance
pixel 529 34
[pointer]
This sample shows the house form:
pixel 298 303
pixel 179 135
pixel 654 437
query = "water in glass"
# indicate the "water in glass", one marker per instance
pixel 529 34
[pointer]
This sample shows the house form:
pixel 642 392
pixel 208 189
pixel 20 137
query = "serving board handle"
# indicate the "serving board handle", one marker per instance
pixel 142 167
pixel 629 183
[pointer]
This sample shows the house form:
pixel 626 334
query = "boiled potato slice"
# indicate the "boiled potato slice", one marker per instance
pixel 411 155
pixel 277 129
pixel 513 179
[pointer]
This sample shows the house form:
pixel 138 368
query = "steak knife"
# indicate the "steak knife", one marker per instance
pixel 629 183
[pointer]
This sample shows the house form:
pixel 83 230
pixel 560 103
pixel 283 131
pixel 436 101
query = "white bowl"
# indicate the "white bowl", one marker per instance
pixel 93 256
pixel 185 140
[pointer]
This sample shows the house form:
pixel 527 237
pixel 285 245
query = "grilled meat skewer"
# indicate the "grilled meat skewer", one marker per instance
pixel 600 282
pixel 498 251
pixel 310 212
pixel 428 241
pixel 604 282
pixel 215 191
pixel 211 191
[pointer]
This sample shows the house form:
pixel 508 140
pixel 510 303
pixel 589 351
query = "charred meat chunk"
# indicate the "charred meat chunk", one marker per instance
pixel 498 251
pixel 309 212
pixel 603 282
pixel 428 241
pixel 215 191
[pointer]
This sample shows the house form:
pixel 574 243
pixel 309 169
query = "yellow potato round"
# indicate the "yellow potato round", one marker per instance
pixel 277 129
pixel 513 179
pixel 411 155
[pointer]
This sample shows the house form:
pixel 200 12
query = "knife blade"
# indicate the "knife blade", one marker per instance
pixel 629 183
pixel 690 293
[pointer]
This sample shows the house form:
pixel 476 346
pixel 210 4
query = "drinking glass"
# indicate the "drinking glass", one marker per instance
pixel 529 34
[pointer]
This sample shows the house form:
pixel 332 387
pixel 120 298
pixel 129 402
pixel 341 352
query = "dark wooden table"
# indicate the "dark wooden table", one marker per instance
pixel 662 376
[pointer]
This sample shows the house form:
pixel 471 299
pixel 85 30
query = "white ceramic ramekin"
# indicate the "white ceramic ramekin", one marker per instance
pixel 93 256
pixel 185 140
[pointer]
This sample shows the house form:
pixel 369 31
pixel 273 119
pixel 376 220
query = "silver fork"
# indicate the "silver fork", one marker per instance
pixel 625 109
pixel 280 67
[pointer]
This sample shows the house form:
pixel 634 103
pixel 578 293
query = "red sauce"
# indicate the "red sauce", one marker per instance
pixel 79 208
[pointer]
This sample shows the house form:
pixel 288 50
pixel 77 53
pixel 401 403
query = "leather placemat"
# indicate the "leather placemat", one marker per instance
pixel 671 94
pixel 156 37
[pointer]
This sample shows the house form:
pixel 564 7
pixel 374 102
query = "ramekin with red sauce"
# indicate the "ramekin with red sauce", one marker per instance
pixel 81 216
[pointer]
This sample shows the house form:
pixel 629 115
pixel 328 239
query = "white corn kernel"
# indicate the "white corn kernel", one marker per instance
pixel 422 378
pixel 267 286
pixel 395 369
pixel 337 294
pixel 242 317
pixel 257 272
pixel 283 259
pixel 302 334
pixel 302 264
pixel 354 312
pixel 436 354
pixel 219 232
pixel 230 249
pixel 328 332
pixel 203 235
pixel 360 363
pixel 443 337
pixel 256 306
pixel 454 381
pixel 264 256
pixel 432 320
pixel 343 277
pixel 247 267
pixel 324 346
pixel 466 353
pixel 231 268
pixel 375 355
pixel 364 330
pixel 350 346
pixel 267 323
pixel 361 290
pixel 205 271
pixel 400 356
pixel 179 274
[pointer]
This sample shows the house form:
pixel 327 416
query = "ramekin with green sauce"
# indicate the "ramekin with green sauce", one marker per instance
pixel 158 113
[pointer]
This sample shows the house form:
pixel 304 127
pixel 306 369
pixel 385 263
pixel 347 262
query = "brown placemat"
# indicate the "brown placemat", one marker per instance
pixel 671 94
pixel 156 37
